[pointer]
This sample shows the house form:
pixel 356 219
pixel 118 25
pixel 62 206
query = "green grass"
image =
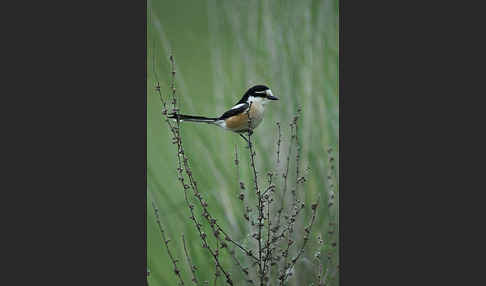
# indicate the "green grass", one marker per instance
pixel 221 48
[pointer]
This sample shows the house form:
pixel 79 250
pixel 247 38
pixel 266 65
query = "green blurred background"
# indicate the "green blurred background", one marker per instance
pixel 221 48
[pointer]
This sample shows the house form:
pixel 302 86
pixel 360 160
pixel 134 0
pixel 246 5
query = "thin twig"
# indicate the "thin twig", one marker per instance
pixel 189 263
pixel 216 271
pixel 269 200
pixel 279 141
pixel 166 242
pixel 317 256
pixel 238 263
pixel 287 270
pixel 184 167
pixel 259 195
pixel 297 158
pixel 284 176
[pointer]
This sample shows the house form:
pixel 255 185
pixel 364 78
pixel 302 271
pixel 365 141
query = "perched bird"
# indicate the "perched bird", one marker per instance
pixel 236 119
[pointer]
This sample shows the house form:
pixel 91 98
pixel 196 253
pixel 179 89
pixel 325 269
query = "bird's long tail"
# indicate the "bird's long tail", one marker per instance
pixel 192 118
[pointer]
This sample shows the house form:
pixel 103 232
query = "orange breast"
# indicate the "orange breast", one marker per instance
pixel 237 122
pixel 240 121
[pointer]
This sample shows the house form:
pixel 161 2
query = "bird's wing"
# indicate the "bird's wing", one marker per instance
pixel 237 109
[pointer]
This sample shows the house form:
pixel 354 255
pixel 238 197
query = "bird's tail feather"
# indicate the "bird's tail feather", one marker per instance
pixel 192 118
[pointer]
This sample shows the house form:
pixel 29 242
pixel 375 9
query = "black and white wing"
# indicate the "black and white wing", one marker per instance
pixel 237 109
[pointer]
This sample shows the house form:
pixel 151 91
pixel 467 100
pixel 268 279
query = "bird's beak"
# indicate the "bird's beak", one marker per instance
pixel 270 95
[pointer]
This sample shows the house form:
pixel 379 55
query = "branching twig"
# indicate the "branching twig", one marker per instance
pixel 276 230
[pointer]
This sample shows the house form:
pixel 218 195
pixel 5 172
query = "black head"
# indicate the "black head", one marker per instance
pixel 258 91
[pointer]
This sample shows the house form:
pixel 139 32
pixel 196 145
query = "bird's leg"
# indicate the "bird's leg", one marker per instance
pixel 243 136
pixel 248 141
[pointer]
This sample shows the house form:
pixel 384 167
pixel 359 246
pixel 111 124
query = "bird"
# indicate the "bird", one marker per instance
pixel 236 119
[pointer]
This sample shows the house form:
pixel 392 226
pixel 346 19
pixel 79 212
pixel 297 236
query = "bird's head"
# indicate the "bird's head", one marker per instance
pixel 258 93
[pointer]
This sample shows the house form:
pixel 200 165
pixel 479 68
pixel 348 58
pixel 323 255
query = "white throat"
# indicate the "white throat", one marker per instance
pixel 257 100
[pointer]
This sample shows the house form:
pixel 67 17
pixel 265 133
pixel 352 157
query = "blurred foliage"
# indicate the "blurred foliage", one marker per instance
pixel 221 48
